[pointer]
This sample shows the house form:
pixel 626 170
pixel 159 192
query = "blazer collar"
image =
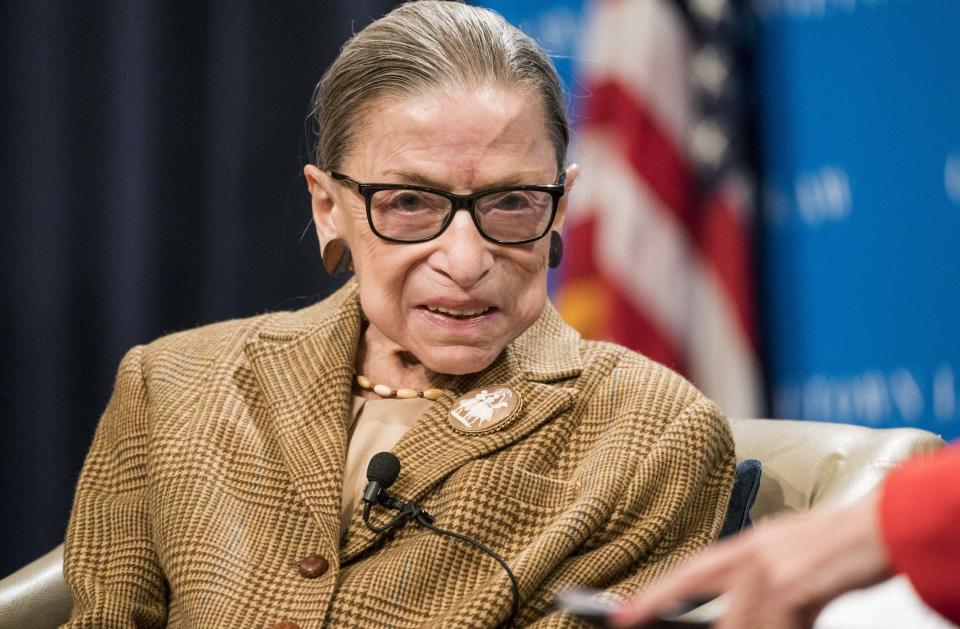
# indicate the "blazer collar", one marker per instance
pixel 304 363
pixel 548 351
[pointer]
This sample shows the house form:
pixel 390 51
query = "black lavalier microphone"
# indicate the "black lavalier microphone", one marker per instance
pixel 382 471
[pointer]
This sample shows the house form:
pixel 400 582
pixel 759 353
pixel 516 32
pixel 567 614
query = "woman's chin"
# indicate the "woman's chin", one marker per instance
pixel 458 360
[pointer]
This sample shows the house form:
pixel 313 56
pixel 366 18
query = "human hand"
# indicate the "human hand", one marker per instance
pixel 779 574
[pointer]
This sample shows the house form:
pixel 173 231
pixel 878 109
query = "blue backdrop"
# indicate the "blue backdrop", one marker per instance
pixel 860 149
pixel 558 27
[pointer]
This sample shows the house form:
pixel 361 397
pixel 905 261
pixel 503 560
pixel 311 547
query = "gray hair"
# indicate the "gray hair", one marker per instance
pixel 429 44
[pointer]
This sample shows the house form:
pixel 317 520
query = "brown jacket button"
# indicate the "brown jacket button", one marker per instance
pixel 313 566
pixel 286 624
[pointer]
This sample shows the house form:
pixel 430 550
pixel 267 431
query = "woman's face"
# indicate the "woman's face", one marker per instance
pixel 455 301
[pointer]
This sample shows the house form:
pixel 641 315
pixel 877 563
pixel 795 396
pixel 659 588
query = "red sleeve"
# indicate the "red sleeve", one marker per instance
pixel 920 524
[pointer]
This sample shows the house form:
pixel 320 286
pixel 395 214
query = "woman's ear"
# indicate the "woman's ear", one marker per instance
pixel 572 172
pixel 320 185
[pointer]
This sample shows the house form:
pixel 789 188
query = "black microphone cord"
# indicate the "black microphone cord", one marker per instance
pixel 382 472
pixel 389 525
pixel 413 511
pixel 514 587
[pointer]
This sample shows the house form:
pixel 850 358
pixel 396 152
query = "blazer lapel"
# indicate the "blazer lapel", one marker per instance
pixel 304 369
pixel 432 449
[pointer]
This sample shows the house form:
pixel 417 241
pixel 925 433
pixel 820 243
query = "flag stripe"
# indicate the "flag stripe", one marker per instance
pixel 721 359
pixel 645 145
pixel 638 242
pixel 604 308
pixel 642 46
pixel 727 245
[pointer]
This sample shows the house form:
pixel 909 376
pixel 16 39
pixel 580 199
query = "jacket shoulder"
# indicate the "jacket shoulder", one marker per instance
pixel 639 384
pixel 226 340
pixel 212 340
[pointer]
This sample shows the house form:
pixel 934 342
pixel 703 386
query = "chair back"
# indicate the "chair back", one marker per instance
pixel 805 463
pixel 36 595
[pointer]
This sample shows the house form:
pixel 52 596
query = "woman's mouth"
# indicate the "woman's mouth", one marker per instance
pixel 465 313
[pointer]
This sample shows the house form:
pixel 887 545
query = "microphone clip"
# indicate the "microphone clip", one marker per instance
pixel 407 511
pixel 413 511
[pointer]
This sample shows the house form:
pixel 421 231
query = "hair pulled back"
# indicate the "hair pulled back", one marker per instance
pixel 425 45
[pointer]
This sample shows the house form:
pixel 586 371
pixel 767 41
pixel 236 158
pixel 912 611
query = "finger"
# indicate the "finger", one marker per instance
pixel 745 600
pixel 756 601
pixel 704 575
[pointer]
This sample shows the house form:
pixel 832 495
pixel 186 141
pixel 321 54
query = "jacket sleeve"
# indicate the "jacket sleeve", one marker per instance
pixel 109 559
pixel 919 519
pixel 679 499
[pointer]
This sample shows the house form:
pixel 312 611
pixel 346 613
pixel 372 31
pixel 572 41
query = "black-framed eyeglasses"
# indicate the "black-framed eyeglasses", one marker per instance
pixel 507 215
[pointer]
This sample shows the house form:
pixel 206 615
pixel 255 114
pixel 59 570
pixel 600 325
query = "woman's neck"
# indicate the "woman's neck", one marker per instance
pixel 385 362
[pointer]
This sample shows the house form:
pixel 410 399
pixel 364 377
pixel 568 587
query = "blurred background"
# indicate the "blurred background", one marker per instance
pixel 770 201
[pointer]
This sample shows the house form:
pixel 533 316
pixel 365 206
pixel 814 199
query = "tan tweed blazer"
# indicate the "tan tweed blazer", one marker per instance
pixel 218 465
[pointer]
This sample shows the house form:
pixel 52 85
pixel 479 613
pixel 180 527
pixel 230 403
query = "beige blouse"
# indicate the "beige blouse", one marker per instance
pixel 373 426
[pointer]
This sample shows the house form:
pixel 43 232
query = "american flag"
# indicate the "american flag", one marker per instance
pixel 658 239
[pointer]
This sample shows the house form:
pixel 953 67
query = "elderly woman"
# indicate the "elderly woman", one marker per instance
pixel 223 485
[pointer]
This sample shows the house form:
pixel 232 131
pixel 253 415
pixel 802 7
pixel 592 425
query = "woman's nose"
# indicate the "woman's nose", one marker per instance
pixel 463 255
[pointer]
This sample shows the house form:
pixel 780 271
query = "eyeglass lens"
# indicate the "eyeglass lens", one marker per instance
pixel 506 216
